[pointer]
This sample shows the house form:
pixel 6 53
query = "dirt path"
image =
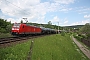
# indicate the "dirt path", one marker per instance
pixel 30 53
pixel 82 48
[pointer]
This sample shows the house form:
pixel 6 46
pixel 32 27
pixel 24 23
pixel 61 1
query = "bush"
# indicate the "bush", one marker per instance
pixel 3 35
pixel 5 26
pixel 79 37
pixel 2 30
pixel 88 36
pixel 62 33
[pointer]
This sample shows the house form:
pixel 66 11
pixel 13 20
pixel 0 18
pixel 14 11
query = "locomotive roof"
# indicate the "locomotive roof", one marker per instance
pixel 27 24
pixel 30 25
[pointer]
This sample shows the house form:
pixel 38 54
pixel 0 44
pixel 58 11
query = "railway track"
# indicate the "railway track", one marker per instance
pixel 14 39
pixel 4 42
pixel 11 39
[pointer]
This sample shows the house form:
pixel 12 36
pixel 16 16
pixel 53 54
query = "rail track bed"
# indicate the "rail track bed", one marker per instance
pixel 5 42
pixel 11 39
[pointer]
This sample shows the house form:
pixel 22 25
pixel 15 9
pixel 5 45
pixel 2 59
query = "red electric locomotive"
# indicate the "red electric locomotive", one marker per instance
pixel 25 29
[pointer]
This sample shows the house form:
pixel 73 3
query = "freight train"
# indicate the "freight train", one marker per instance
pixel 24 29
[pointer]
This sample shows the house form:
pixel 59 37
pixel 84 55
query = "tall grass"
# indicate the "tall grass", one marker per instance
pixel 2 35
pixel 17 52
pixel 56 47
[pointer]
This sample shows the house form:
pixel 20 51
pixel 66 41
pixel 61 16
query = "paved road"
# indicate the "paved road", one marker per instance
pixel 82 48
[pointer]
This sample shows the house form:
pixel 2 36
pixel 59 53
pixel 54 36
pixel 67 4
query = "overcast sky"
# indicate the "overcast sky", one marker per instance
pixel 66 12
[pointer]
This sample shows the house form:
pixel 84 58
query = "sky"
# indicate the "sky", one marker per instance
pixel 64 12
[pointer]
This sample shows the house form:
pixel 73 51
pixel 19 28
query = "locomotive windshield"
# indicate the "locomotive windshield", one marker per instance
pixel 16 25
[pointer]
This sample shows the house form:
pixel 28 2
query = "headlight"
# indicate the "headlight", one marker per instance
pixel 17 29
pixel 12 28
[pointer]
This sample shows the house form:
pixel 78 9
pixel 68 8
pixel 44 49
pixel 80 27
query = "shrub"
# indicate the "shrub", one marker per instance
pixel 2 30
pixel 79 37
pixel 62 33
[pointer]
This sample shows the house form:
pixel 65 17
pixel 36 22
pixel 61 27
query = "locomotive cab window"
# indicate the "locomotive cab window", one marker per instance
pixel 16 25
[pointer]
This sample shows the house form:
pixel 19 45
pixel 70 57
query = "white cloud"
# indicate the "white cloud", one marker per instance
pixel 33 10
pixel 82 10
pixel 64 1
pixel 27 8
pixel 55 19
pixel 65 10
pixel 86 16
pixel 18 8
pixel 21 8
pixel 12 20
pixel 15 20
pixel 66 21
pixel 81 22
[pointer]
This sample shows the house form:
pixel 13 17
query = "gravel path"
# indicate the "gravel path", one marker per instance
pixel 82 48
pixel 30 53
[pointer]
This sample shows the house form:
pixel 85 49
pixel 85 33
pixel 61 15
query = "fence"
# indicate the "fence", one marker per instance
pixel 86 42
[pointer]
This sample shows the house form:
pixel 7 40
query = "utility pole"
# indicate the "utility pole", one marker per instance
pixel 58 27
pixel 25 19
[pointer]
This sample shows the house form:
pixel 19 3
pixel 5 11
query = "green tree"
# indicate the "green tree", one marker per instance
pixel 2 30
pixel 8 28
pixel 86 30
pixel 49 23
pixel 3 25
pixel 21 21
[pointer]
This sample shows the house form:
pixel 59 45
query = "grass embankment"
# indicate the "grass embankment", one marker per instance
pixel 17 52
pixel 2 35
pixel 79 39
pixel 56 47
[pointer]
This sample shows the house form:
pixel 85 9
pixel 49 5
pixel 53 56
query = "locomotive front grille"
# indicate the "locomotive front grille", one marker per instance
pixel 14 33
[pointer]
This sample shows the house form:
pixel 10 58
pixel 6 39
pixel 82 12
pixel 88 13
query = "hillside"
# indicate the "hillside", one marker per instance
pixel 53 47
pixel 74 26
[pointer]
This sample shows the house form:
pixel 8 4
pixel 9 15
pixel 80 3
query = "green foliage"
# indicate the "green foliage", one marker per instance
pixel 8 28
pixel 49 23
pixel 62 33
pixel 18 52
pixel 74 28
pixel 85 29
pixel 83 36
pixel 46 25
pixel 2 30
pixel 3 35
pixel 21 21
pixel 56 47
pixel 78 37
pixel 5 26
